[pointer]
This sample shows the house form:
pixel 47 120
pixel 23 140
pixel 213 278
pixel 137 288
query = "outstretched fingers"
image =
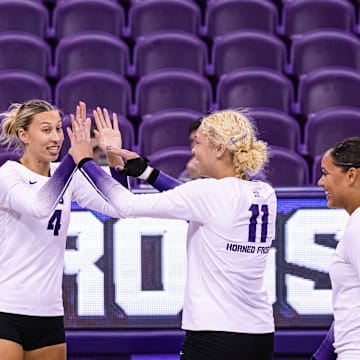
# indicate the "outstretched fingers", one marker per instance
pixel 107 132
pixel 81 111
pixel 99 119
pixel 79 136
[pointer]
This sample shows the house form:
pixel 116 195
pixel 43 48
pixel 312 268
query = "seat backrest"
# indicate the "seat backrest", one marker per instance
pixel 277 128
pixel 327 127
pixel 171 160
pixel 173 89
pixel 300 16
pixel 18 86
pixel 23 15
pixel 286 168
pixel 74 16
pixel 96 88
pixel 224 16
pixel 254 88
pixel 241 49
pixel 165 129
pixel 320 48
pixel 169 50
pixel 91 50
pixel 328 87
pixel 316 169
pixel 24 51
pixel 146 17
pixel 125 126
pixel 8 155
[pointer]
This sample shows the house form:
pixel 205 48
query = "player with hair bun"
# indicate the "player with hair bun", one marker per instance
pixel 341 181
pixel 226 314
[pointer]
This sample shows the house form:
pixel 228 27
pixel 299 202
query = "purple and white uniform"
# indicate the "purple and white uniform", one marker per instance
pixel 231 227
pixel 345 274
pixel 34 218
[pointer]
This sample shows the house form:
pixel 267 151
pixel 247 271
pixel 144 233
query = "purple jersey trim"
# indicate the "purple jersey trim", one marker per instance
pixel 54 189
pixel 119 177
pixel 99 179
pixel 165 182
pixel 326 350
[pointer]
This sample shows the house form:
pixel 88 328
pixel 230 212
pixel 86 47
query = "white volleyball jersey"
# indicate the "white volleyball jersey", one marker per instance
pixel 345 281
pixel 232 225
pixel 31 247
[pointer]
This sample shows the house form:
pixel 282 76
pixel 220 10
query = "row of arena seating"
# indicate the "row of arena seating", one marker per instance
pixel 215 18
pixel 233 51
pixel 181 59
pixel 179 88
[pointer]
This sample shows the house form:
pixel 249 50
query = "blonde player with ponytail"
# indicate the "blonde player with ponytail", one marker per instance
pixel 226 314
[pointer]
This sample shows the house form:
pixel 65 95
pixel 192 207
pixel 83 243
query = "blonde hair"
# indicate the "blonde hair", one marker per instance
pixel 20 116
pixel 235 129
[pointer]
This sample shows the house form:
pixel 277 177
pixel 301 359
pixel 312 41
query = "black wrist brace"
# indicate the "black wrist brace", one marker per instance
pixel 135 167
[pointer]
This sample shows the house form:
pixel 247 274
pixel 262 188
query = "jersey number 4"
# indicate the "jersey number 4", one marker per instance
pixel 255 213
pixel 55 222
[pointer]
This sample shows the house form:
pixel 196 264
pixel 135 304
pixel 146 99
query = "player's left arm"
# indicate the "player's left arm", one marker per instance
pixel 137 166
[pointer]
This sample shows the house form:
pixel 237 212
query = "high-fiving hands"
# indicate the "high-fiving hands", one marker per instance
pixel 108 136
pixel 79 136
pixel 107 133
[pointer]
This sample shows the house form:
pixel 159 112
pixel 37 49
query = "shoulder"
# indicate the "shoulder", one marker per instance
pixel 353 223
pixel 11 167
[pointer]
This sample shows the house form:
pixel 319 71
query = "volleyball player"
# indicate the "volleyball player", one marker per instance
pixel 35 198
pixel 341 182
pixel 226 313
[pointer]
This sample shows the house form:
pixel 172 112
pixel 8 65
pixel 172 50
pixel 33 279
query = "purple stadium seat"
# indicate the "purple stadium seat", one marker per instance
pixel 320 48
pixel 327 87
pixel 74 16
pixel 146 17
pixel 169 50
pixel 17 86
pixel 224 16
pixel 172 89
pixel 254 88
pixel 241 49
pixel 171 160
pixel 97 88
pixel 91 50
pixel 277 128
pixel 165 129
pixel 8 155
pixel 286 168
pixel 316 169
pixel 327 127
pixel 300 16
pixel 23 15
pixel 125 126
pixel 25 51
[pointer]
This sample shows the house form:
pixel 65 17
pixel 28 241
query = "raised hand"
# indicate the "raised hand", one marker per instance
pixel 107 132
pixel 80 140
pixel 108 135
pixel 80 114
